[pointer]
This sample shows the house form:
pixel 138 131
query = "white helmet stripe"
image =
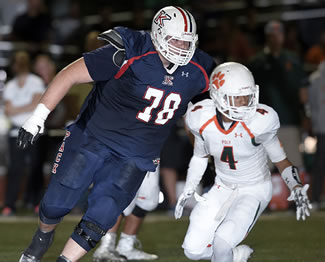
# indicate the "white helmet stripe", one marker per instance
pixel 186 26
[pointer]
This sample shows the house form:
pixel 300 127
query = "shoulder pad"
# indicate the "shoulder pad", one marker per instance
pixel 113 37
pixel 265 120
pixel 199 113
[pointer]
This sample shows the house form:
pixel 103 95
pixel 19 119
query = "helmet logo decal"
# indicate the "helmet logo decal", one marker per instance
pixel 217 80
pixel 161 17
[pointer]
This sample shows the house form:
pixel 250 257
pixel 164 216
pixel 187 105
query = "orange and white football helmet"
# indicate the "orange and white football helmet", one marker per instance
pixel 232 82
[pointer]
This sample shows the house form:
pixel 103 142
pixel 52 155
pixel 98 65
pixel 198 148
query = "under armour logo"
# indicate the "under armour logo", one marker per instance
pixel 168 81
pixel 184 74
pixel 239 135
pixel 156 161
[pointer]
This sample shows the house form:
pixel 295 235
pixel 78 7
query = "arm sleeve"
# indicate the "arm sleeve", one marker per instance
pixel 100 64
pixel 199 146
pixel 195 171
pixel 274 149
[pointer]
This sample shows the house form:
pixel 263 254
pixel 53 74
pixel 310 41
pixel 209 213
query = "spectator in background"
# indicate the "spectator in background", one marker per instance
pixel 317 106
pixel 10 9
pixel 105 22
pixel 21 96
pixel 229 43
pixel 92 42
pixel 34 25
pixel 253 30
pixel 316 54
pixel 281 78
pixel 45 67
pixel 69 29
pixel 292 40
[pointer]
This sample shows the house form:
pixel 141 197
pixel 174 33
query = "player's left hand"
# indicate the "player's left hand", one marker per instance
pixel 299 195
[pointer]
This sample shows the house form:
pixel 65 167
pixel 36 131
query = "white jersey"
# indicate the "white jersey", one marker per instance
pixel 239 152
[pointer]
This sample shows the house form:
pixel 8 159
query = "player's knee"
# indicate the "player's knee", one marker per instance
pixel 87 234
pixel 220 247
pixel 149 205
pixel 52 214
pixel 192 255
pixel 139 212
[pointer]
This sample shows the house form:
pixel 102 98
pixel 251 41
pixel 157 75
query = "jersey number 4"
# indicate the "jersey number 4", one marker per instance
pixel 170 105
pixel 227 155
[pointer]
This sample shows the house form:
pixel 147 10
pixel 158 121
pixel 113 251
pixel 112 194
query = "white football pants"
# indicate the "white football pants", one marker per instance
pixel 147 196
pixel 228 213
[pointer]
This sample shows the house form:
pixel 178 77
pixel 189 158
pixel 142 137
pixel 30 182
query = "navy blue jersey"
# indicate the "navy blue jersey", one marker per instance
pixel 132 108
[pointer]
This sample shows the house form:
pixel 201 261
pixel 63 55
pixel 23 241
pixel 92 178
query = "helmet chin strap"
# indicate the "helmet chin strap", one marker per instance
pixel 171 68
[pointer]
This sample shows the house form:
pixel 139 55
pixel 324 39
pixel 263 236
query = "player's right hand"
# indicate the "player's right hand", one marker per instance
pixel 30 131
pixel 33 127
pixel 183 199
pixel 181 203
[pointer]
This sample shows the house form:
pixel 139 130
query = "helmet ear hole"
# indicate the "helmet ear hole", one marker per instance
pixel 233 90
pixel 174 23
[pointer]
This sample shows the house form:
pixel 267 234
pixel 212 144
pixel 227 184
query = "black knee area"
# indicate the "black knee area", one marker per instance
pixel 62 258
pixel 139 212
pixel 87 234
pixel 40 244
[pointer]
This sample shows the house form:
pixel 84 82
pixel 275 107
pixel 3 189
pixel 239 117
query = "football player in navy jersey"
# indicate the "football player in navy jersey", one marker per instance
pixel 143 83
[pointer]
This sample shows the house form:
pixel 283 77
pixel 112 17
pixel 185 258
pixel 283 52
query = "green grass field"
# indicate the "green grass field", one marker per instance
pixel 276 237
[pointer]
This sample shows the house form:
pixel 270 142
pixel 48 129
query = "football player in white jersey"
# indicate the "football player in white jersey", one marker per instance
pixel 239 133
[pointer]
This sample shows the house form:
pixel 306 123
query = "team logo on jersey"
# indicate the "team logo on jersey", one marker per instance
pixel 168 81
pixel 161 17
pixel 156 161
pixel 217 80
pixel 185 74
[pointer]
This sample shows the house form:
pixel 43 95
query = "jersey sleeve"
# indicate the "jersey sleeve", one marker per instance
pixel 266 133
pixel 100 63
pixel 266 124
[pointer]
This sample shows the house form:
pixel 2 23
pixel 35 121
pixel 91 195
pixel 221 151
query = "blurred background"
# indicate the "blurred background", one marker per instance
pixel 281 41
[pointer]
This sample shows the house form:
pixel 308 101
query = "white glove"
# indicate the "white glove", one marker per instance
pixel 33 127
pixel 299 195
pixel 183 199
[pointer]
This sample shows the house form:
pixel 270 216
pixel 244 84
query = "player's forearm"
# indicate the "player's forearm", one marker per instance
pixel 289 173
pixel 281 165
pixel 196 169
pixel 73 74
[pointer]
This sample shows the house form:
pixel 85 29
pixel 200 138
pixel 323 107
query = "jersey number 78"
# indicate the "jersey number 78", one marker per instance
pixel 170 105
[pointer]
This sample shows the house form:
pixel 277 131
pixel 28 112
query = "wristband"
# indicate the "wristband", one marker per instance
pixel 41 111
pixel 291 177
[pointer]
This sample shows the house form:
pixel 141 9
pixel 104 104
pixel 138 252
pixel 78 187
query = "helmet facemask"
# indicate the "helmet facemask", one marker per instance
pixel 174 54
pixel 229 105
